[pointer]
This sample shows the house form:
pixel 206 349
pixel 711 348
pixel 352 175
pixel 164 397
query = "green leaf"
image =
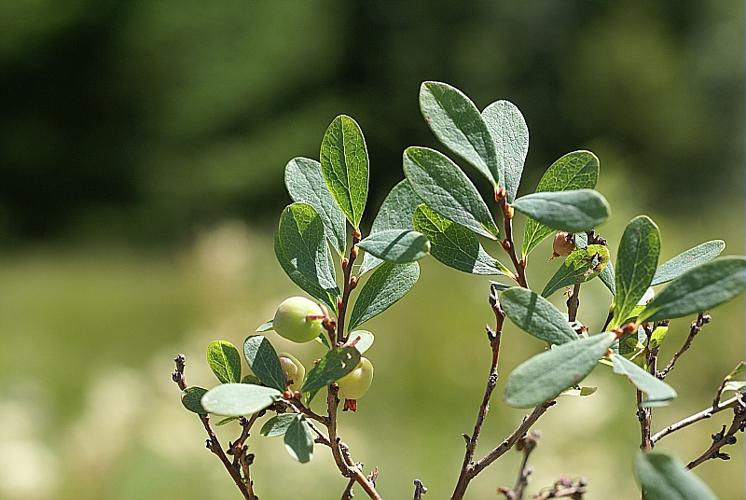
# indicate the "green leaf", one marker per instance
pixel 580 266
pixel 699 289
pixel 389 283
pixel 251 379
pixel 264 362
pixel 547 375
pixel 693 257
pixel 265 327
pixel 447 190
pixel 397 245
pixel 224 361
pixel 636 261
pixel 576 170
pixel 226 420
pixel 572 211
pixel 344 165
pixel 537 316
pixel 658 392
pixel 510 136
pixel 191 398
pixel 608 278
pixel 396 212
pixel 335 364
pixel 365 341
pixel 236 400
pixel 664 477
pixel 457 123
pixel 299 439
pixel 301 249
pixel 454 245
pixel 323 340
pixel 277 425
pixel 306 184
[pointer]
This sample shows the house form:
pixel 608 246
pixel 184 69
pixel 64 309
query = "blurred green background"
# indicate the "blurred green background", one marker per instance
pixel 142 146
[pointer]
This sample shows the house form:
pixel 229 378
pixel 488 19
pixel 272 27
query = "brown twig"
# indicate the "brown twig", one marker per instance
pixel 724 437
pixel 349 284
pixel 527 444
pixel 645 414
pixel 573 303
pixel 212 442
pixel 697 417
pixel 347 493
pixel 419 490
pixel 564 488
pixel 694 329
pixel 508 243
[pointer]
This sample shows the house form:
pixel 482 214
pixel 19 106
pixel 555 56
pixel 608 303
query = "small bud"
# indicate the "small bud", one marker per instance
pixel 508 211
pixel 505 244
pixel 564 244
pixel 500 193
pixel 354 252
pixel 350 405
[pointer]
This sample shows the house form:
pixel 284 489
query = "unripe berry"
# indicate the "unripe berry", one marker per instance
pixel 564 244
pixel 298 319
pixel 355 384
pixel 294 371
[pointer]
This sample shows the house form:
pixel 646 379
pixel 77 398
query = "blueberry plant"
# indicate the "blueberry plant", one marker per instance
pixel 436 210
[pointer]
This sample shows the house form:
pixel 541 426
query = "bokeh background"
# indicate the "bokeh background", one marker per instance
pixel 142 147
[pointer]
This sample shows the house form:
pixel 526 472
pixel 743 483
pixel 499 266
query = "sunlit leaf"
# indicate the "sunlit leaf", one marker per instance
pixel 236 400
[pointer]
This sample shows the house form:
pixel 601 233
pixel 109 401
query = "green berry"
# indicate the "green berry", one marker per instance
pixel 355 384
pixel 294 371
pixel 298 319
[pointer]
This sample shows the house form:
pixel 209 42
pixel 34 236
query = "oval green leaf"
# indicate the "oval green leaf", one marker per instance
pixel 689 259
pixel 306 184
pixel 636 261
pixel 389 283
pixel 658 392
pixel 664 477
pixel 191 398
pixel 299 439
pixel 264 362
pixel 699 289
pixel 454 245
pixel 537 316
pixel 547 375
pixel 576 170
pixel 457 123
pixel 277 425
pixel 580 266
pixel 396 212
pixel 335 364
pixel 510 136
pixel 572 211
pixel 224 360
pixel 446 189
pixel 344 165
pixel 236 400
pixel 397 245
pixel 301 250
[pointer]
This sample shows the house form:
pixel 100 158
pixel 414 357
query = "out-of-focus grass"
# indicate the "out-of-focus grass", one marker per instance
pixel 88 410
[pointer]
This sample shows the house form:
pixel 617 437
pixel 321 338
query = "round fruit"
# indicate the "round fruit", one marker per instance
pixel 298 319
pixel 294 371
pixel 355 384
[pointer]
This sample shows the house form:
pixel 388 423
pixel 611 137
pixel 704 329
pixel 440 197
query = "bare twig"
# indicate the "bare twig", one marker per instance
pixel 726 436
pixel 419 489
pixel 350 282
pixel 573 303
pixel 212 442
pixel 564 488
pixel 508 243
pixel 696 326
pixel 347 493
pixel 526 444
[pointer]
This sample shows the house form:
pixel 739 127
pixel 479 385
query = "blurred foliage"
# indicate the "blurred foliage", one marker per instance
pixel 148 119
pixel 157 121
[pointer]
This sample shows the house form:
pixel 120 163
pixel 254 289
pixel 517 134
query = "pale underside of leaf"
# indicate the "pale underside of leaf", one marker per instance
pixel 658 392
pixel 572 211
pixel 510 136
